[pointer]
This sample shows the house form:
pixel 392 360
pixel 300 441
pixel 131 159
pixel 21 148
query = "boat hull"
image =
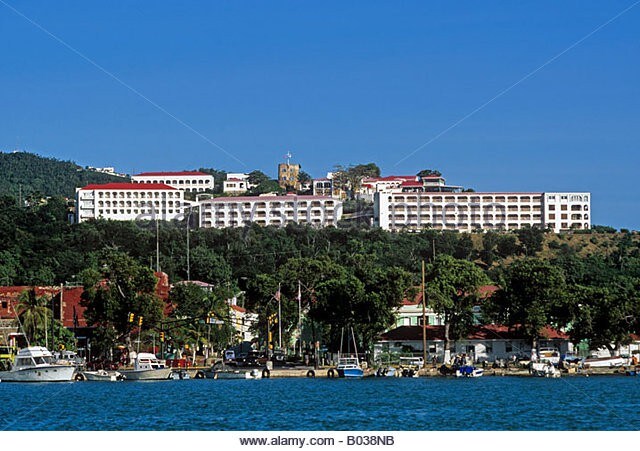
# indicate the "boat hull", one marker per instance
pixel 147 375
pixel 350 372
pixel 102 376
pixel 236 374
pixel 49 373
pixel 469 371
pixel 604 362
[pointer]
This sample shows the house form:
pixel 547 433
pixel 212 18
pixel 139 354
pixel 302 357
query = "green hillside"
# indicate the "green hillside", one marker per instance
pixel 41 176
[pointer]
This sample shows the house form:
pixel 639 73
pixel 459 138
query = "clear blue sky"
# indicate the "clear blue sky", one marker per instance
pixel 336 83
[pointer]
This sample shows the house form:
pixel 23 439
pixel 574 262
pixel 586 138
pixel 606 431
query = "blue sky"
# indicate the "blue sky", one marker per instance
pixel 335 83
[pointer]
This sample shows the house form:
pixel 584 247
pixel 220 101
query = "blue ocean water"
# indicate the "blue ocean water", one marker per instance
pixel 424 404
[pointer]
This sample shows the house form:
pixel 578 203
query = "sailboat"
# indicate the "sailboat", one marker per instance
pixel 349 366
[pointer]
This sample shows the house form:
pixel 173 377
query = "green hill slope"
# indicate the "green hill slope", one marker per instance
pixel 36 175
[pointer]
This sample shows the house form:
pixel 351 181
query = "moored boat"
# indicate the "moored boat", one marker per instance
pixel 36 364
pixel 469 371
pixel 349 367
pixel 544 369
pixel 100 376
pixel 147 367
pixel 603 362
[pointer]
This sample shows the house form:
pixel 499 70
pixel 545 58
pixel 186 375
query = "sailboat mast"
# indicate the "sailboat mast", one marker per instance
pixel 355 345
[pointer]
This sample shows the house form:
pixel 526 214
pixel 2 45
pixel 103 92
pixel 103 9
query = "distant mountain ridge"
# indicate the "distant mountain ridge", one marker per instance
pixel 27 174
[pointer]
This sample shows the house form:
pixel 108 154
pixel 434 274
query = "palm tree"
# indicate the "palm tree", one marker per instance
pixel 33 315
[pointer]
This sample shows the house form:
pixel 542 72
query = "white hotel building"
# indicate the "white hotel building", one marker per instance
pixel 129 201
pixel 318 211
pixel 396 210
pixel 193 181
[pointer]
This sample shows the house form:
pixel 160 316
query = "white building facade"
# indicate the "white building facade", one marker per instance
pixel 278 211
pixel 468 211
pixel 128 202
pixel 193 181
pixel 236 183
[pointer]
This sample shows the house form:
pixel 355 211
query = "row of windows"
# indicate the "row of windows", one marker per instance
pixel 400 217
pixel 473 199
pixel 463 208
pixel 135 195
pixel 568 198
pixel 263 205
pixel 206 181
pixel 566 207
pixel 136 204
pixel 135 211
pixel 574 217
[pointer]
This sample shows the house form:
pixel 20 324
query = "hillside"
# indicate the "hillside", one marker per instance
pixel 44 176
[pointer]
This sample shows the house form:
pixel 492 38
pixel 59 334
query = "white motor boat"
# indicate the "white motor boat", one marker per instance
pixel 222 371
pixel 603 362
pixel 100 376
pixel 36 364
pixel 147 367
pixel 544 369
pixel 469 371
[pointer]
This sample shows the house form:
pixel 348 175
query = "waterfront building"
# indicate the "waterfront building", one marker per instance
pixel 190 181
pixel 128 202
pixel 483 343
pixel 318 211
pixel 397 210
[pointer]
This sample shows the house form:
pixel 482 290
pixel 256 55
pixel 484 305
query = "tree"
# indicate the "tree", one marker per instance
pixel 452 290
pixel 34 316
pixel 533 295
pixel 606 315
pixel 209 267
pixel 194 307
pixel 429 173
pixel 531 240
pixel 119 287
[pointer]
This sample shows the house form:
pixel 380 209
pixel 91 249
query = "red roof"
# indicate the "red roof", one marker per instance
pixel 129 186
pixel 486 332
pixel 164 174
pixel 237 308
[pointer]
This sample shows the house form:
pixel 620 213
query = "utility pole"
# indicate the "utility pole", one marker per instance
pixel 424 322
pixel 188 261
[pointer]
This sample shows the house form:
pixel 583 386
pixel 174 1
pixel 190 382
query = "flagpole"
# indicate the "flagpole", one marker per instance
pixel 279 318
pixel 300 317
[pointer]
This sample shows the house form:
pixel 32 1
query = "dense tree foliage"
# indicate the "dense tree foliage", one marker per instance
pixel 601 271
pixel 35 177
pixel 453 290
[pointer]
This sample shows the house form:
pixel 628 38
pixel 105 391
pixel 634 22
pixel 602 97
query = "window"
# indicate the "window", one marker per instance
pixel 508 347
pixel 552 207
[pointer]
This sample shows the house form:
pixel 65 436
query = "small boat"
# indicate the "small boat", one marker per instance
pixel 387 371
pixel 237 374
pixel 101 376
pixel 469 371
pixel 349 366
pixel 147 367
pixel 409 366
pixel 221 370
pixel 36 364
pixel 544 369
pixel 551 355
pixel 603 362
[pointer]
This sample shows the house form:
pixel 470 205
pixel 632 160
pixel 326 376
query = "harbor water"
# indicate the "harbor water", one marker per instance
pixel 423 404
